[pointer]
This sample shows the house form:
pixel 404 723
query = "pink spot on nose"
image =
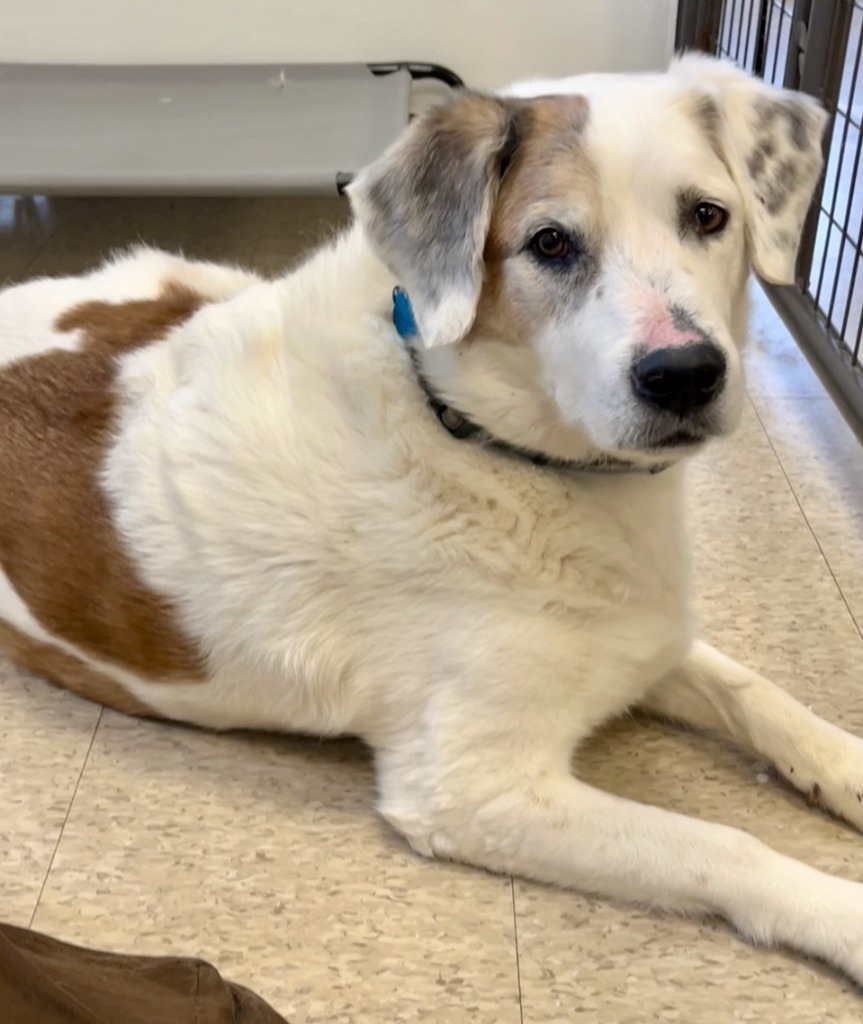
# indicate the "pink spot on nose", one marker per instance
pixel 658 330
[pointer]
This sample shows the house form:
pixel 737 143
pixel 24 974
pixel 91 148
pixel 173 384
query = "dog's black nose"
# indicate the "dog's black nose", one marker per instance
pixel 681 378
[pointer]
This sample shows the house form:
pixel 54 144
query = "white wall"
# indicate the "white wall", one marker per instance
pixel 488 42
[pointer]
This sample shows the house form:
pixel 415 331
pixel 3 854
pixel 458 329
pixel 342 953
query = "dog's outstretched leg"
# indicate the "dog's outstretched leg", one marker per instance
pixel 710 691
pixel 556 829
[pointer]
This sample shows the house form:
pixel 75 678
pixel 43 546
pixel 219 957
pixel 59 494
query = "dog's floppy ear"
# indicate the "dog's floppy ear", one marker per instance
pixel 771 141
pixel 426 206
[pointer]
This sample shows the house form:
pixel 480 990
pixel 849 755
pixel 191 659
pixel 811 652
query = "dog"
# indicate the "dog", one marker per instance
pixel 452 527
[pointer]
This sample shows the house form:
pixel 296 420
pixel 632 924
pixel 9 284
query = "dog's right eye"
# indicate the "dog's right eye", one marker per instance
pixel 551 245
pixel 709 219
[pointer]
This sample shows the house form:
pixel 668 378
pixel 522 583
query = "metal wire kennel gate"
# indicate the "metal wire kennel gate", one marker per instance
pixel 815 46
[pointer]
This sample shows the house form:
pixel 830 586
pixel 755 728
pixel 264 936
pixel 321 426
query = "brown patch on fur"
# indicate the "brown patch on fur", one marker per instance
pixel 52 663
pixel 815 796
pixel 58 543
pixel 550 162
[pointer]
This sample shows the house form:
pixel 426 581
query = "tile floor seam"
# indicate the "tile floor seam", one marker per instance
pixel 256 245
pixel 24 272
pixel 39 250
pixel 809 526
pixel 517 956
pixel 66 818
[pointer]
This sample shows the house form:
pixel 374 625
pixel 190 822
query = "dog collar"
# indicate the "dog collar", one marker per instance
pixel 462 428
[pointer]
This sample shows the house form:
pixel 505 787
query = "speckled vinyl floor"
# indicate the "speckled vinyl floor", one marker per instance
pixel 264 854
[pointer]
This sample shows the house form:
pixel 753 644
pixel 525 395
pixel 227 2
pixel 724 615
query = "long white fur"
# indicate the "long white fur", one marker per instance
pixel 350 568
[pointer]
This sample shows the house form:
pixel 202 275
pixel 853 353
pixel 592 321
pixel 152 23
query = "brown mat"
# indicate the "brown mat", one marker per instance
pixel 44 981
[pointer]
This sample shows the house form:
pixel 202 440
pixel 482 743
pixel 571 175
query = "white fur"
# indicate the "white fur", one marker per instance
pixel 28 312
pixel 350 568
pixel 772 238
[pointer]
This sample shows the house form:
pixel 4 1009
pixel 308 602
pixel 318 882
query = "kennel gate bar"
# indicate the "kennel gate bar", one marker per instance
pixel 815 46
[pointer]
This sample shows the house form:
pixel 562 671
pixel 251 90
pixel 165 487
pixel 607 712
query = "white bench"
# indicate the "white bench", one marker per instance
pixel 198 130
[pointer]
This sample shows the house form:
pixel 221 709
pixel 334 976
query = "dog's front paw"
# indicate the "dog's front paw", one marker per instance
pixel 843 800
pixel 852 961
pixel 835 781
pixel 855 965
pixel 816 914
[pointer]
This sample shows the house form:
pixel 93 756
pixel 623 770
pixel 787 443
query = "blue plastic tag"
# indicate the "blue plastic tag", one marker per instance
pixel 403 315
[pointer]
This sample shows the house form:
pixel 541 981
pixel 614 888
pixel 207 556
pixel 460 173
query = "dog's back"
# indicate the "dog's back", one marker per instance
pixel 68 582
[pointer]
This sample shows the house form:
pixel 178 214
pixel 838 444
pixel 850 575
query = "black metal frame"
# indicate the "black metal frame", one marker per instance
pixel 804 44
pixel 419 72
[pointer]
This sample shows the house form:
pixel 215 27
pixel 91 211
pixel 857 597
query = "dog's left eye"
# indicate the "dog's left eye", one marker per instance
pixel 709 219
pixel 551 245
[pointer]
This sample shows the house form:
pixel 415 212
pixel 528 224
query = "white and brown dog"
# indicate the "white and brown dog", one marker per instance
pixel 242 503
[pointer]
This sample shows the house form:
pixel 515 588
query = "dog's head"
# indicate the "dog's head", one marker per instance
pixel 598 233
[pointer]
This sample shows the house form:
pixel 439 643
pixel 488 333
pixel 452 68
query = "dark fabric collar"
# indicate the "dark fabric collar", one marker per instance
pixel 464 429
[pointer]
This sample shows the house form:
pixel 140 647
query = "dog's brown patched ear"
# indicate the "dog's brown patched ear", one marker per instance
pixel 426 206
pixel 771 141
